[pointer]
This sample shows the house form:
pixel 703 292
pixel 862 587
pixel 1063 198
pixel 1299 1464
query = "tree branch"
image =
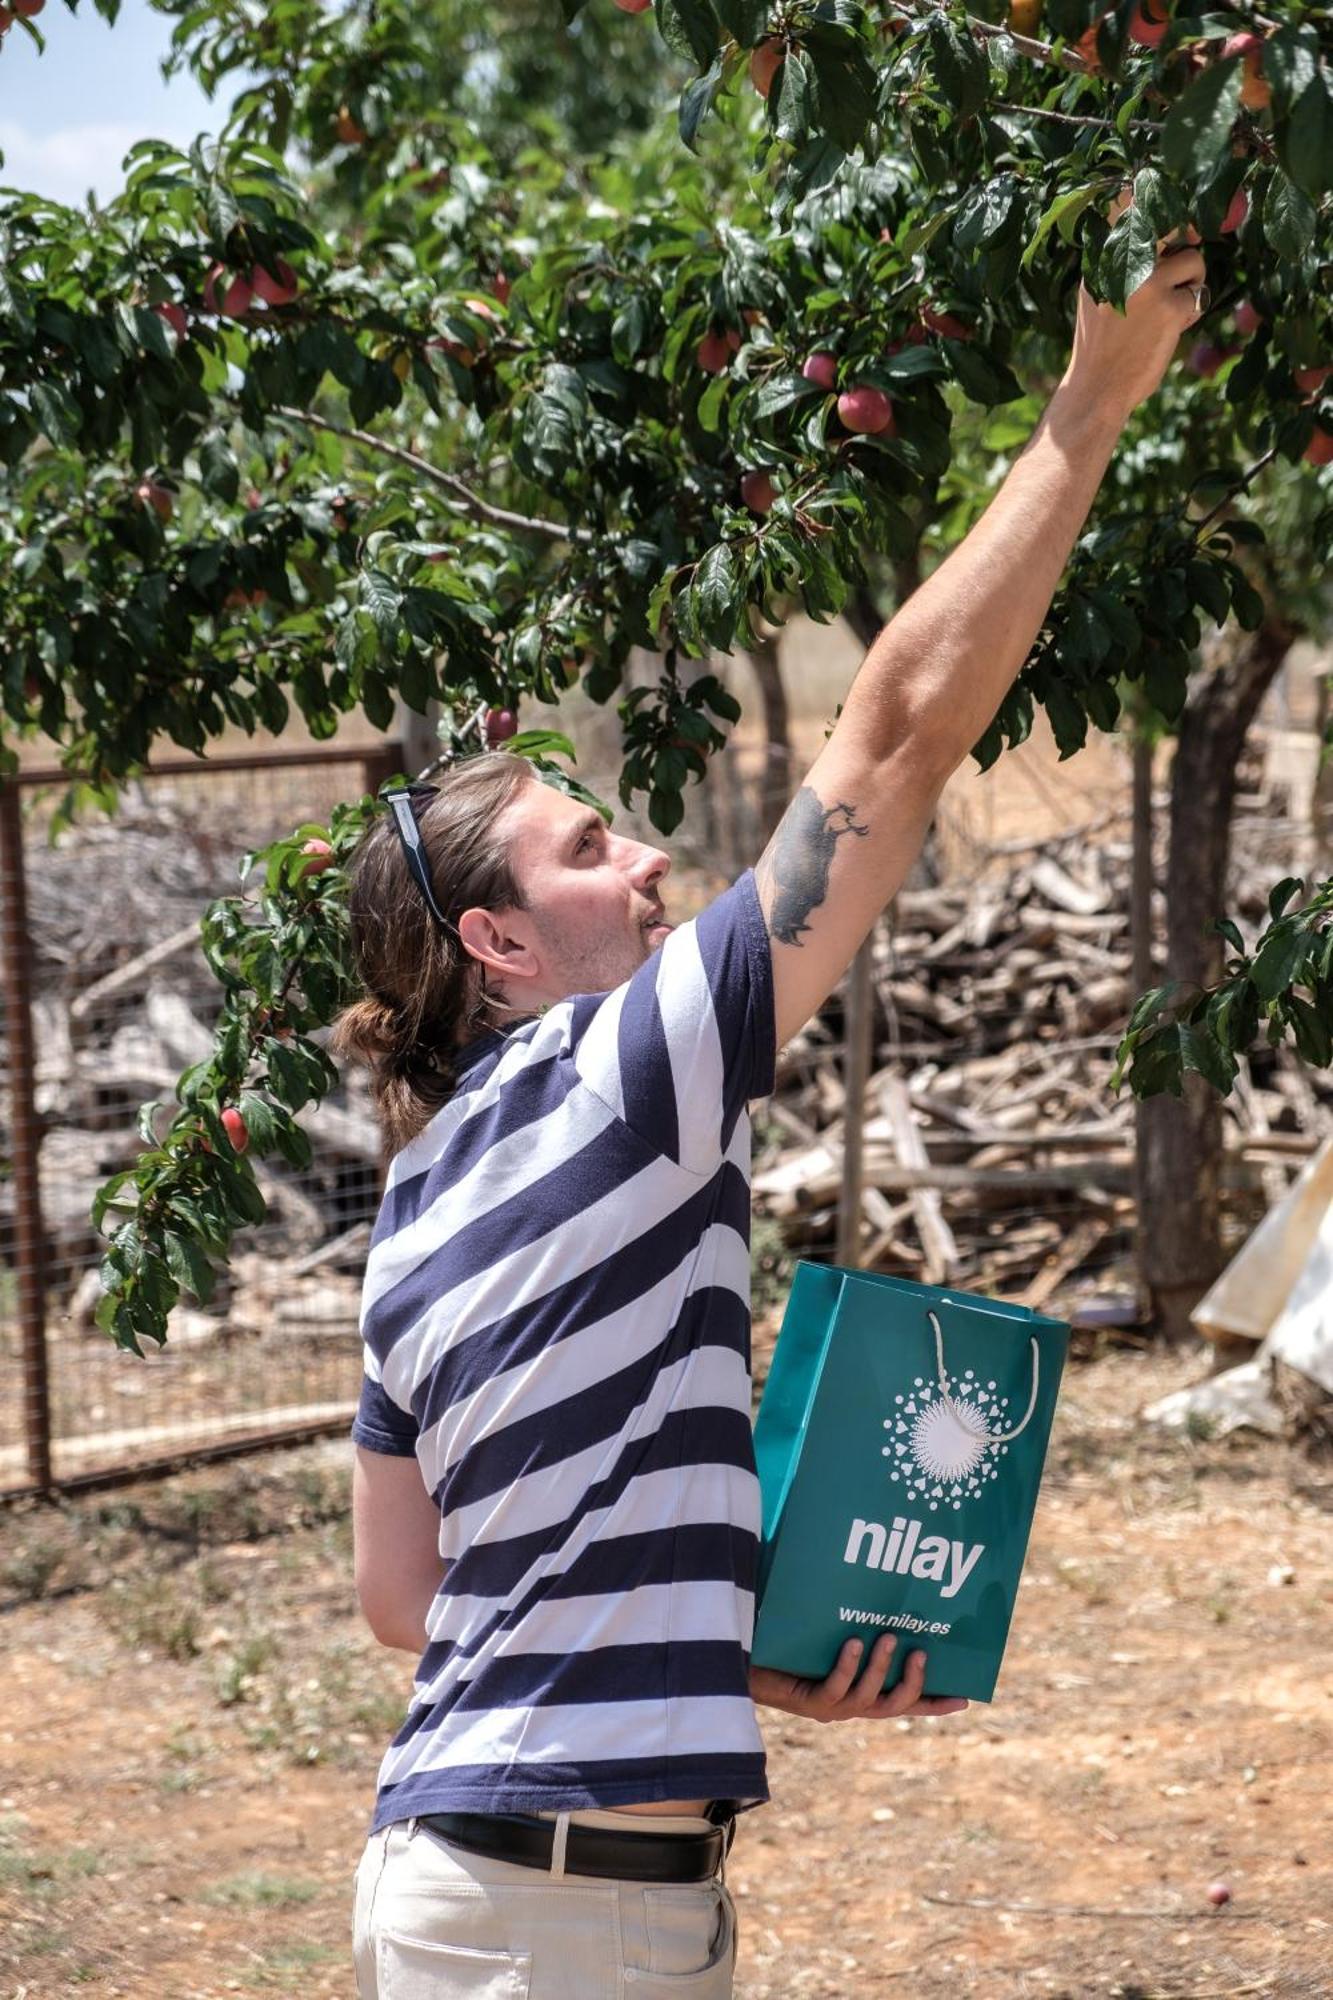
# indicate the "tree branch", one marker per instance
pixel 1245 480
pixel 501 517
pixel 1043 52
pixel 1072 117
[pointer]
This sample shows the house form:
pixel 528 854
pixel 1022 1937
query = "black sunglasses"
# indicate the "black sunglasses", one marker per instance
pixel 401 803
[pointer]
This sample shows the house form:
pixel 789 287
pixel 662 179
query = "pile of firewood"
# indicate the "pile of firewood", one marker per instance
pixel 994 1153
pixel 121 1000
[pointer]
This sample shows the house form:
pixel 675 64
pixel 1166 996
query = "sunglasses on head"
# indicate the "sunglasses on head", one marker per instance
pixel 402 804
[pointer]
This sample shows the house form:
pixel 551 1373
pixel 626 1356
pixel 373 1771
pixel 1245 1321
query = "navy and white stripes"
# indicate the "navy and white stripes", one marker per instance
pixel 556 1322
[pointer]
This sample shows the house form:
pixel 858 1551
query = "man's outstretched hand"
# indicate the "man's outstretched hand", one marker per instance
pixel 845 1698
pixel 1120 358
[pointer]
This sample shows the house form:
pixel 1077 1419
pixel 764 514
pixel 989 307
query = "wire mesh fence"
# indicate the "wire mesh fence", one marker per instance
pixel 107 999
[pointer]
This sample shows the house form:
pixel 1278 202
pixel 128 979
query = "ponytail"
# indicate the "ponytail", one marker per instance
pixel 424 993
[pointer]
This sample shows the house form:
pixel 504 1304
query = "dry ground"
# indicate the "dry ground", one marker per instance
pixel 193 1715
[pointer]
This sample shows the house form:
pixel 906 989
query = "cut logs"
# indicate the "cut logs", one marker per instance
pixel 994 1155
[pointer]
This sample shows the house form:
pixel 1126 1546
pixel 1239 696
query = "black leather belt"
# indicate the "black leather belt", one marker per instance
pixel 529 1842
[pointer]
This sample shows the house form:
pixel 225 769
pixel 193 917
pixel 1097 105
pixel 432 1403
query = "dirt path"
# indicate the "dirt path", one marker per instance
pixel 193 1715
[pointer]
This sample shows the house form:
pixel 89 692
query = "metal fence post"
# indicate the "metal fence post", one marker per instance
pixel 25 1138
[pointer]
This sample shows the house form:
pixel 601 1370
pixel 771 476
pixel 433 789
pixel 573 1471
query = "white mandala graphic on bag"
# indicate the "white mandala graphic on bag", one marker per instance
pixel 946 1439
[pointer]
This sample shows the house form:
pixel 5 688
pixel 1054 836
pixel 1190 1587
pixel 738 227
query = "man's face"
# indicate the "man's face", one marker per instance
pixel 594 913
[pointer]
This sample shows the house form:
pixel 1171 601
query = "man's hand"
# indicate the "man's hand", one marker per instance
pixel 843 1698
pixel 1120 358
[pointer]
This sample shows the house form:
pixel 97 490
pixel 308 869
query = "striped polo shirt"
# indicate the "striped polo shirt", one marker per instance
pixel 556 1322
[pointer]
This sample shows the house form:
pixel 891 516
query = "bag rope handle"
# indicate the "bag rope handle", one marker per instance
pixel 993 1437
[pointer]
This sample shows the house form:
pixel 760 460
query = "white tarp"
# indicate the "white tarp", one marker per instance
pixel 1302 1334
pixel 1251 1292
pixel 1239 1397
pixel 1282 1299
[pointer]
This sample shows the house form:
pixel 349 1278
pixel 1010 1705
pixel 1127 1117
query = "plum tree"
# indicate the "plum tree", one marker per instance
pixel 458 502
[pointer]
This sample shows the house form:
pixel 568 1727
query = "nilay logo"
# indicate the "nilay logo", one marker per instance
pixel 945 1445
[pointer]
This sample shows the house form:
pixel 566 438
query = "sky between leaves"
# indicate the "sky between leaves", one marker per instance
pixel 69 116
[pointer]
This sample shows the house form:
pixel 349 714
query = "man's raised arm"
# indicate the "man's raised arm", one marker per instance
pixel 933 680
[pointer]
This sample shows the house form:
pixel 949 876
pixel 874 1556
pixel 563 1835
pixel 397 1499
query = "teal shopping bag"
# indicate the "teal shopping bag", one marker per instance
pixel 900 1442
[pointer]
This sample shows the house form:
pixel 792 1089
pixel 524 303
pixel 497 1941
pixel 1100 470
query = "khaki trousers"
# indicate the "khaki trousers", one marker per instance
pixel 435 1923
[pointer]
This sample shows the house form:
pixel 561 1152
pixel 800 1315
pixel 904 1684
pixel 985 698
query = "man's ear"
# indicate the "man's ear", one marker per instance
pixel 488 937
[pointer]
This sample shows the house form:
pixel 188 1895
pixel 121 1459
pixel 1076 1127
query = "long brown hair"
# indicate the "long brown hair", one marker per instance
pixel 424 993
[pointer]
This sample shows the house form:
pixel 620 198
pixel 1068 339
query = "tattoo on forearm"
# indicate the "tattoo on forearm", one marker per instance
pixel 799 860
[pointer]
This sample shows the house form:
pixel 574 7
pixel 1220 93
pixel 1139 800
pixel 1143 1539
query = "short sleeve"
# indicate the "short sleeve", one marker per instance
pixel 680 1049
pixel 380 1425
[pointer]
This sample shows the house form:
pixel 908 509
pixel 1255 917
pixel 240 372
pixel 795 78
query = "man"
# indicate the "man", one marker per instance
pixel 555 1499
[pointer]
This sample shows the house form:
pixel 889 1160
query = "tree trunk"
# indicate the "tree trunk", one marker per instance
pixel 1179 1142
pixel 1321 800
pixel 775 779
pixel 1140 893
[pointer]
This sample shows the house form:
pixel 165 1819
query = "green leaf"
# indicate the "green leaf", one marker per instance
pixel 541 743
pixel 1314 1036
pixel 1281 894
pixel 1279 960
pixel 1068 719
pixel 845 89
pixel 689 27
pixel 746 20
pixel 379 594
pixel 779 392
pixel 1197 134
pixel 1288 219
pixel 696 102
pixel 666 809
pixel 795 111
pixel 1063 214
pixel 562 781
pixel 1246 601
pixel 1129 255
pixel 1291 61
pixel 1152 1003
pixel 221 210
pixel 218 469
pixel 630 328
pixel 983 213
pixel 709 411
pixel 1233 1015
pixel 1306 144
pixel 714 591
pixel 56 411
pixel 909 364
pixel 554 418
pixel 983 377
pixel 1155 1066
pixel 189 1266
pixel 961 69
pixel 1208 588
pixel 1200 1052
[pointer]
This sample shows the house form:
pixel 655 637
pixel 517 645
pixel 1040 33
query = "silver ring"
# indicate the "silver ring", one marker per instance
pixel 1202 298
